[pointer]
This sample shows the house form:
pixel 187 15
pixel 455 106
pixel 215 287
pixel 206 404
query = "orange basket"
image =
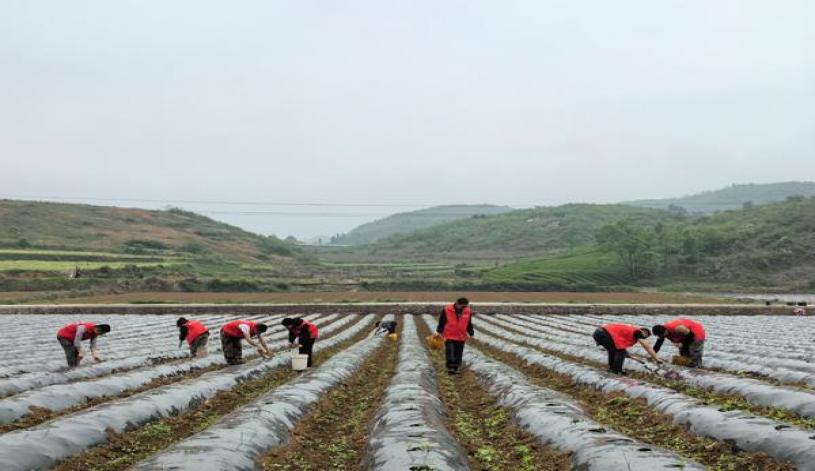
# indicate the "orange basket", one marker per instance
pixel 434 341
pixel 680 360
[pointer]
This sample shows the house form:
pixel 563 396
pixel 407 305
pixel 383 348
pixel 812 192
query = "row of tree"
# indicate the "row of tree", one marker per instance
pixel 662 249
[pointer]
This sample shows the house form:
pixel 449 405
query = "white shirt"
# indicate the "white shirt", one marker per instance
pixel 245 329
pixel 80 331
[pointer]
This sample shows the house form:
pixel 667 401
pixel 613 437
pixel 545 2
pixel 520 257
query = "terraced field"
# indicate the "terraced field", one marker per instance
pixel 533 395
pixel 65 260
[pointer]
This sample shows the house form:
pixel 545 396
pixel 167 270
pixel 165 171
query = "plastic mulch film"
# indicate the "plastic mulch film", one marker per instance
pixel 558 421
pixel 45 445
pixel 240 438
pixel 780 441
pixel 408 430
pixel 758 392
pixel 63 396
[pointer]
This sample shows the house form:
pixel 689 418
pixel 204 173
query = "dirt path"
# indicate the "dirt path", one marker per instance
pixel 485 429
pixel 335 433
pixel 391 296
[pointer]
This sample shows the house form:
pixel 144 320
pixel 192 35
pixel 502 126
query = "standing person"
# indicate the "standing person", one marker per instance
pixel 687 335
pixel 456 327
pixel 196 334
pixel 72 335
pixel 233 332
pixel 617 338
pixel 305 332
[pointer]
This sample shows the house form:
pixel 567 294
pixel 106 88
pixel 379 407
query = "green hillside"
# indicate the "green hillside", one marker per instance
pixel 402 223
pixel 87 228
pixel 585 269
pixel 519 233
pixel 769 247
pixel 733 197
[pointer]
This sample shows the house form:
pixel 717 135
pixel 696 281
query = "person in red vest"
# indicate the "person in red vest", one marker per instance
pixel 687 335
pixel 305 332
pixel 72 335
pixel 456 327
pixel 618 338
pixel 233 332
pixel 196 334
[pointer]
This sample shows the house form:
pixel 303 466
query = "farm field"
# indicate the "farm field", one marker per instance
pixel 533 394
pixel 51 266
pixel 38 260
pixel 388 296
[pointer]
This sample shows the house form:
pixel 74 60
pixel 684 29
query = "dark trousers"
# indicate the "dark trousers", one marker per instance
pixel 453 351
pixel 71 352
pixel 616 357
pixel 232 348
pixel 199 343
pixel 694 351
pixel 306 348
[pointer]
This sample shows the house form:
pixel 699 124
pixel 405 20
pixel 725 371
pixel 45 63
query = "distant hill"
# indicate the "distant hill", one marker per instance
pixel 733 197
pixel 770 246
pixel 516 233
pixel 25 224
pixel 402 223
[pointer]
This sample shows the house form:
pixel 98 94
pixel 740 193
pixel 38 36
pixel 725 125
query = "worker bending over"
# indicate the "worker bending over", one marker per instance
pixel 385 328
pixel 72 335
pixel 233 332
pixel 305 332
pixel 687 335
pixel 617 338
pixel 456 327
pixel 196 334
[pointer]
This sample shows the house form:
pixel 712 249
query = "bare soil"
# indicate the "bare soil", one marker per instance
pixel 635 418
pixel 128 448
pixel 723 401
pixel 40 415
pixel 335 434
pixel 392 296
pixel 486 430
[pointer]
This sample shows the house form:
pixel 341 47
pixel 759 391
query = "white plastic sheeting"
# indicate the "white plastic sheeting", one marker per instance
pixel 236 441
pixel 408 431
pixel 747 432
pixel 43 446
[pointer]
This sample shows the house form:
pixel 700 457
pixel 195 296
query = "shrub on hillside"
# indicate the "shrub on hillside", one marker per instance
pixel 238 285
pixel 138 246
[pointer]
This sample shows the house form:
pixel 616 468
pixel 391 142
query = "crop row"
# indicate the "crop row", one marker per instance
pixel 410 425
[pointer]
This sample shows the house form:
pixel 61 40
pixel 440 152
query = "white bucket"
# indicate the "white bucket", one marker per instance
pixel 299 362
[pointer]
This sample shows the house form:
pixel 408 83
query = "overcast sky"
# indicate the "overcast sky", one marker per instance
pixel 419 102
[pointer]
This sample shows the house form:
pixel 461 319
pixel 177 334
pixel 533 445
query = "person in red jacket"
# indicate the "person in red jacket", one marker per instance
pixel 618 338
pixel 72 335
pixel 305 332
pixel 687 335
pixel 233 332
pixel 196 334
pixel 456 327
